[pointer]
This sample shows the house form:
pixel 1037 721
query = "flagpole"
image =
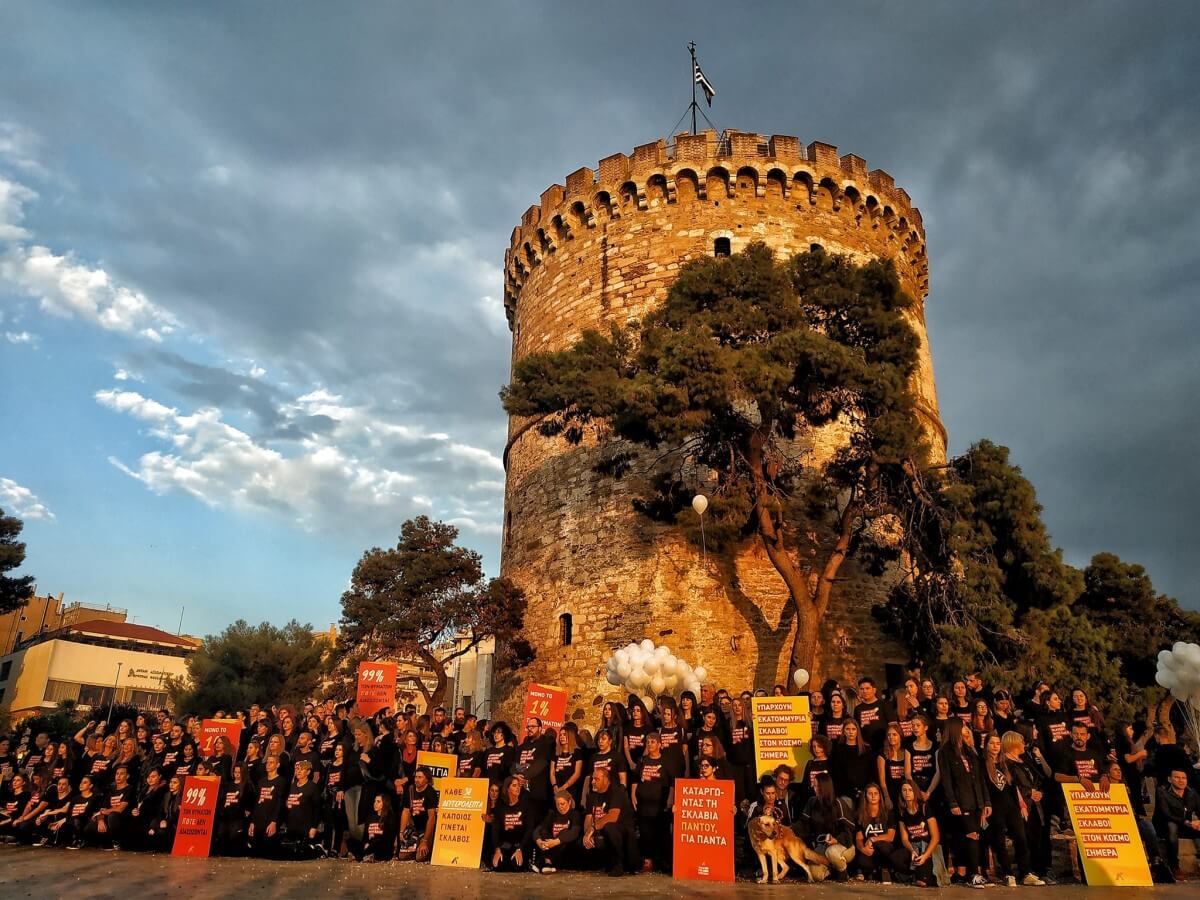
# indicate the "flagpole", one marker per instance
pixel 692 50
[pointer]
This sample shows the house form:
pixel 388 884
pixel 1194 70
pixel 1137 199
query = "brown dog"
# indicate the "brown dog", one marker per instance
pixel 776 841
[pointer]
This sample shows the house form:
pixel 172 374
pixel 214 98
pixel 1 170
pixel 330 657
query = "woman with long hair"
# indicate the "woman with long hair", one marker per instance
pixel 854 765
pixel 1032 776
pixel 894 763
pixel 836 715
pixel 941 715
pixel 674 738
pixel 1009 809
pixel 875 837
pixel 928 694
pixel 1085 711
pixel 566 772
pixel 379 831
pixel 966 797
pixel 819 748
pixel 638 726
pixel 828 825
pixel 740 752
pixel 1131 757
pixel 512 828
pixel 981 724
pixel 960 700
pixel 922 760
pixel 221 760
pixel 470 756
pixel 919 834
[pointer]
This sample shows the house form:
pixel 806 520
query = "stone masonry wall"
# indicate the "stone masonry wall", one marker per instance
pixel 605 248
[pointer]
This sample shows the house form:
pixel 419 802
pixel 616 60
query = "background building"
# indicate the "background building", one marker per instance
pixel 93 662
pixel 604 249
pixel 48 612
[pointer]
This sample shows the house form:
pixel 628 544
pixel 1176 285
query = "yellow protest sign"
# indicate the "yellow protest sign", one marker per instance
pixel 782 730
pixel 1107 835
pixel 458 840
pixel 440 765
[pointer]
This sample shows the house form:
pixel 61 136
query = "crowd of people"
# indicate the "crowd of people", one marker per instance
pixel 926 786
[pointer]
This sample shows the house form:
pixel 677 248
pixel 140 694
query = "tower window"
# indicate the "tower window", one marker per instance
pixel 721 247
pixel 565 629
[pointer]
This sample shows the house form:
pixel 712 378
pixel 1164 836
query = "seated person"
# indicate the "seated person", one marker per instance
pixel 557 840
pixel 608 835
pixel 1176 815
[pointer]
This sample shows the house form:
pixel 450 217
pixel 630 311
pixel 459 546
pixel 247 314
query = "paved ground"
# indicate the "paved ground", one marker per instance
pixel 88 874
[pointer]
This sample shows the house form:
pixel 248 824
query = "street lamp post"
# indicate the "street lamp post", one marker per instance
pixel 113 701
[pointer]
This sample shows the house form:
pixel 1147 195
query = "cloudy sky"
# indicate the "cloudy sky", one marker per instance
pixel 250 258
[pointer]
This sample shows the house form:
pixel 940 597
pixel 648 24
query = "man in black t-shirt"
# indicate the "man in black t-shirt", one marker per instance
pixel 872 714
pixel 1081 764
pixel 653 792
pixel 419 818
pixel 608 835
pixel 109 823
pixel 269 808
pixel 534 755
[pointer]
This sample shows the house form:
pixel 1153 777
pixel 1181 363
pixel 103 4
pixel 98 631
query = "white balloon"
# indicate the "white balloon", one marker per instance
pixel 694 687
pixel 1179 693
pixel 624 670
pixel 658 684
pixel 699 504
pixel 640 678
pixel 668 666
pixel 662 651
pixel 1163 656
pixel 672 681
pixel 1165 677
pixel 800 678
pixel 648 645
pixel 648 702
pixel 701 674
pixel 621 656
pixel 1178 646
pixel 614 679
pixel 651 665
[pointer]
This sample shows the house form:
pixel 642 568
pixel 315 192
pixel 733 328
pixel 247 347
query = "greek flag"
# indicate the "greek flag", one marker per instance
pixel 708 89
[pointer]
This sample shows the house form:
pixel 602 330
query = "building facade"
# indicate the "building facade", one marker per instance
pixel 603 249
pixel 93 663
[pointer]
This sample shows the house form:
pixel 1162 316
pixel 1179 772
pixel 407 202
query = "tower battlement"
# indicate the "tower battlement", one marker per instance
pixel 703 167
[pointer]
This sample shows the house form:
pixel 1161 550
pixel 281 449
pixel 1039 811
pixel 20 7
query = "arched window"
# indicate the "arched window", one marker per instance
pixel 564 629
pixel 721 247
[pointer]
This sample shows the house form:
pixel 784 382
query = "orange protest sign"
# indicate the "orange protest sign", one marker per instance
pixel 211 729
pixel 545 702
pixel 193 836
pixel 376 687
pixel 703 830
pixel 458 839
pixel 440 765
pixel 1107 834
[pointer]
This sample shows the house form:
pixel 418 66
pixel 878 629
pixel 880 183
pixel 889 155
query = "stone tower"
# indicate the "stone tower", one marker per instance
pixel 603 249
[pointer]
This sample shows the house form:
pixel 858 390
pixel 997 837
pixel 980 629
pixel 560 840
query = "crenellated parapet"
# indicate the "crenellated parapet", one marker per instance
pixel 707 168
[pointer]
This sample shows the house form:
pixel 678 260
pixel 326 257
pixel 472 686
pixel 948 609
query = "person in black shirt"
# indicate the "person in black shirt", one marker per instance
pixel 1081 764
pixel 739 754
pixel 1176 815
pixel 557 840
pixel 918 833
pixel 512 828
pixel 268 813
pixel 84 804
pixel 877 851
pixel 13 798
pixel 534 757
pixel 608 827
pixel 110 821
pixel 161 833
pixel 567 772
pixel 872 714
pixel 922 757
pixel 471 756
pixel 965 791
pixel 418 819
pixel 960 701
pixel 653 796
pixel 148 809
pixel 234 801
pixel 828 825
pixel 853 765
pixel 379 831
pixel 831 721
pixel 498 760
pixel 302 817
pixel 635 731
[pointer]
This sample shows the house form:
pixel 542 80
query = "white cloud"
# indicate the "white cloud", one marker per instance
pixel 13 197
pixel 21 337
pixel 67 288
pixel 21 501
pixel 18 148
pixel 126 375
pixel 364 471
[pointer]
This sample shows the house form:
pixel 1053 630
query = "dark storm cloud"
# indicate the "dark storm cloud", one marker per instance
pixel 331 189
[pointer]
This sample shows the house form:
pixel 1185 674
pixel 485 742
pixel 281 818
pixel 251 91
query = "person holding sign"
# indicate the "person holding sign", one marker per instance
pixel 557 839
pixel 1082 763
pixel 1176 815
pixel 608 828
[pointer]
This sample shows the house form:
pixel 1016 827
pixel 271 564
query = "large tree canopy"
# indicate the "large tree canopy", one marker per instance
pixel 722 386
pixel 248 664
pixel 14 592
pixel 427 598
pixel 986 590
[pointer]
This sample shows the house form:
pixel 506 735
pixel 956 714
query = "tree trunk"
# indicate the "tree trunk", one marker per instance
pixel 804 644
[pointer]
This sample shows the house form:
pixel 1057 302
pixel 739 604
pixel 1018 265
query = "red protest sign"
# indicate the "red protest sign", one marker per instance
pixel 376 687
pixel 703 830
pixel 211 729
pixel 545 702
pixel 193 836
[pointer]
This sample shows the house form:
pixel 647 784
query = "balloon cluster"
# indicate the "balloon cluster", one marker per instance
pixel 650 671
pixel 1179 672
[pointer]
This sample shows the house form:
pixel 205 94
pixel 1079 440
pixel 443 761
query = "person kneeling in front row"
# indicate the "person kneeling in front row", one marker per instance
pixel 556 840
pixel 608 835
